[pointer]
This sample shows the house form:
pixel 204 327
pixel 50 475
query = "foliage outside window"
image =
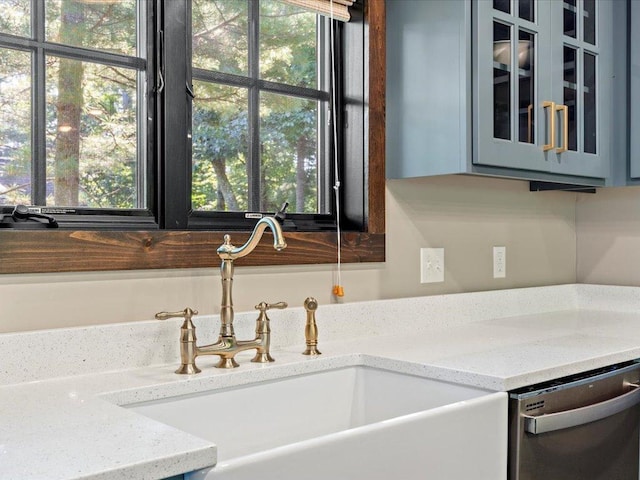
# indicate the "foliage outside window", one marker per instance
pixel 257 70
pixel 69 133
pixel 84 107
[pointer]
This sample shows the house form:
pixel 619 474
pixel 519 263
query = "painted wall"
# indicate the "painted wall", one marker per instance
pixel 608 230
pixel 465 215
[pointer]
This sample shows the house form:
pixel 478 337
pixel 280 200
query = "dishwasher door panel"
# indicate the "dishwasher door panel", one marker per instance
pixel 585 427
pixel 603 450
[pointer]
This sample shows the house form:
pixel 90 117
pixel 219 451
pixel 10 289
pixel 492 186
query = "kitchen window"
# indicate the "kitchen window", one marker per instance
pixel 93 130
pixel 76 91
pixel 153 110
pixel 261 112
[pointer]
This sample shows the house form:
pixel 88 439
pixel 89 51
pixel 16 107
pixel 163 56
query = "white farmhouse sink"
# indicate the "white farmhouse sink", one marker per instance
pixel 348 423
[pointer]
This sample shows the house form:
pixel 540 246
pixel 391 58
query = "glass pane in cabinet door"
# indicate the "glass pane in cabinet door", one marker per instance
pixel 526 10
pixel 526 112
pixel 589 103
pixel 502 5
pixel 501 81
pixel 590 21
pixel 571 94
pixel 570 18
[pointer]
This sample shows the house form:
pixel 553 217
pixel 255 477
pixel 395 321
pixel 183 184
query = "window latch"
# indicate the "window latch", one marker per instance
pixel 23 217
pixel 160 60
pixel 281 214
pixel 190 91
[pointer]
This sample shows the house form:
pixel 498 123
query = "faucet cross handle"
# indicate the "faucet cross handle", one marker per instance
pixel 264 306
pixel 263 332
pixel 262 323
pixel 187 313
pixel 188 349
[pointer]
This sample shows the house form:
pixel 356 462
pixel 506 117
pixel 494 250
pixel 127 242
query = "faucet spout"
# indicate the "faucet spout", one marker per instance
pixel 227 251
pixel 227 345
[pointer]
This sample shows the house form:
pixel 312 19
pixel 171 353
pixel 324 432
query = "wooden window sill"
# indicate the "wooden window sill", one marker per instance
pixel 83 251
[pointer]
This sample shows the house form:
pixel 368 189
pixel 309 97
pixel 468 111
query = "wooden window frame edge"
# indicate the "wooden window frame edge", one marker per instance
pixel 84 251
pixel 47 251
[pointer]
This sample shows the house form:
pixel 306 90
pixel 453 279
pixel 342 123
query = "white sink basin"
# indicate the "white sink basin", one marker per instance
pixel 347 423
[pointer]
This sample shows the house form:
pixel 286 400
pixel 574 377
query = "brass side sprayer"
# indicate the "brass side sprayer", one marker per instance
pixel 311 329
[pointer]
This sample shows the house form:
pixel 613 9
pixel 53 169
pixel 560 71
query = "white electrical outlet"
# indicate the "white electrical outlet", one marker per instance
pixel 431 265
pixel 499 262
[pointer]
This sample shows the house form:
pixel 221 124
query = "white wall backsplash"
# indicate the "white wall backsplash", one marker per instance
pixel 603 297
pixel 608 236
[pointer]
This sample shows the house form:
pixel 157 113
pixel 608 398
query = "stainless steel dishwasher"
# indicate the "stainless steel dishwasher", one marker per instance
pixel 583 427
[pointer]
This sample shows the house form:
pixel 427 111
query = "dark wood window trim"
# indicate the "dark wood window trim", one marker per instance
pixel 45 251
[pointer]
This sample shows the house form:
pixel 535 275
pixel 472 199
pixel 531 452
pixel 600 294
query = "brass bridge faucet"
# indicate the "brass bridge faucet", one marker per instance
pixel 227 346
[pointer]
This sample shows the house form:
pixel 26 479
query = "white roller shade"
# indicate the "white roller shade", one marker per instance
pixel 323 7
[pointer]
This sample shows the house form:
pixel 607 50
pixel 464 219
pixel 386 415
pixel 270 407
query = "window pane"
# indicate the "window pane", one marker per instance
pixel 590 21
pixel 289 146
pixel 526 10
pixel 220 148
pixel 288 44
pixel 15 127
pixel 501 81
pixel 109 26
pixel 220 35
pixel 590 126
pixel 91 135
pixel 571 93
pixel 526 87
pixel 16 17
pixel 570 17
pixel 502 5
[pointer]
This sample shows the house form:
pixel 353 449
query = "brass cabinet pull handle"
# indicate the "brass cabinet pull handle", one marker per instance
pixel 565 129
pixel 552 126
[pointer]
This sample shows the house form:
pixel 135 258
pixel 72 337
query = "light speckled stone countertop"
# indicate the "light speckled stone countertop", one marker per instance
pixel 60 405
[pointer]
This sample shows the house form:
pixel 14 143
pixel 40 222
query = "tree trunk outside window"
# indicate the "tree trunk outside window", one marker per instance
pixel 301 147
pixel 225 195
pixel 69 108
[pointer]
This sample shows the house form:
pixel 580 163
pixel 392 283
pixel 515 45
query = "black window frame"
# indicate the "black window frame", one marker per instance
pixel 256 86
pixel 168 135
pixel 82 217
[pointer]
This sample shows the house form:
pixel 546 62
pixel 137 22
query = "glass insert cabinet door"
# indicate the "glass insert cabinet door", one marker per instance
pixel 583 55
pixel 512 81
pixel 536 67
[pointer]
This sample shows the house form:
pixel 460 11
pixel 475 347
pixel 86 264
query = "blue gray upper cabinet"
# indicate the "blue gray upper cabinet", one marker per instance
pixel 634 103
pixel 514 88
